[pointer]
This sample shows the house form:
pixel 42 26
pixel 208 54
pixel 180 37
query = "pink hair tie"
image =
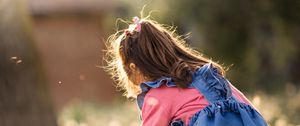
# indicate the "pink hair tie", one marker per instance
pixel 136 20
pixel 136 26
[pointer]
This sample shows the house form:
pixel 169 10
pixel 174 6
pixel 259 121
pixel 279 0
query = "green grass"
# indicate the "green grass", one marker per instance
pixel 90 114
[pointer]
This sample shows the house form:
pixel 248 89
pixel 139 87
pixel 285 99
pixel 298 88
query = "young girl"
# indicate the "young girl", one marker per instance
pixel 155 66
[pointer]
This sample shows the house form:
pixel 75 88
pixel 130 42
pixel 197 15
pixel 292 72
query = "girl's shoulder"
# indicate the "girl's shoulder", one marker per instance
pixel 174 96
pixel 170 92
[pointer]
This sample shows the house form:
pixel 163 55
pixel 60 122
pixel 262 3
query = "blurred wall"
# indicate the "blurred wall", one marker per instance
pixel 69 38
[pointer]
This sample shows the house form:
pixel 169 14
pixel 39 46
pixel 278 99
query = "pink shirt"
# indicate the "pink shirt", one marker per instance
pixel 165 104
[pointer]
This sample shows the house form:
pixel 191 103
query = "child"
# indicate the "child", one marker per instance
pixel 154 65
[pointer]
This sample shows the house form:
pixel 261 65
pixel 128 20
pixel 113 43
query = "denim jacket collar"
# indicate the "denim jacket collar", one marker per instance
pixel 146 86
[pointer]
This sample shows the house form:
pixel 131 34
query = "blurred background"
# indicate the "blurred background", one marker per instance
pixel 51 51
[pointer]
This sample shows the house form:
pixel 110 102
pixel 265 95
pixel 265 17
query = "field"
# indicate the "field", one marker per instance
pixel 278 111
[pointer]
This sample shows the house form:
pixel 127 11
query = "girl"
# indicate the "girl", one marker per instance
pixel 155 66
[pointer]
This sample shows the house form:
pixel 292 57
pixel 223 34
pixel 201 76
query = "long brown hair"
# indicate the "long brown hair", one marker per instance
pixel 157 52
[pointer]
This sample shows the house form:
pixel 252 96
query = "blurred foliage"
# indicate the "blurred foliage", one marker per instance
pixel 259 37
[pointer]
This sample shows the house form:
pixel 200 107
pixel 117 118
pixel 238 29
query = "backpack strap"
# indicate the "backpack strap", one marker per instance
pixel 211 84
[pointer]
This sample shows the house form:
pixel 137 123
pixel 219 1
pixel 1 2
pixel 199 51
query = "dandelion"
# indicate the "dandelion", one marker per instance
pixel 14 58
pixel 19 61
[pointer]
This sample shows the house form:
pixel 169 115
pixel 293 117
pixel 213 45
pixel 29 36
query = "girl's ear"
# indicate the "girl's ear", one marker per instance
pixel 132 67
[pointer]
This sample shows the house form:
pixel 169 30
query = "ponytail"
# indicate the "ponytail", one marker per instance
pixel 156 51
pixel 181 74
